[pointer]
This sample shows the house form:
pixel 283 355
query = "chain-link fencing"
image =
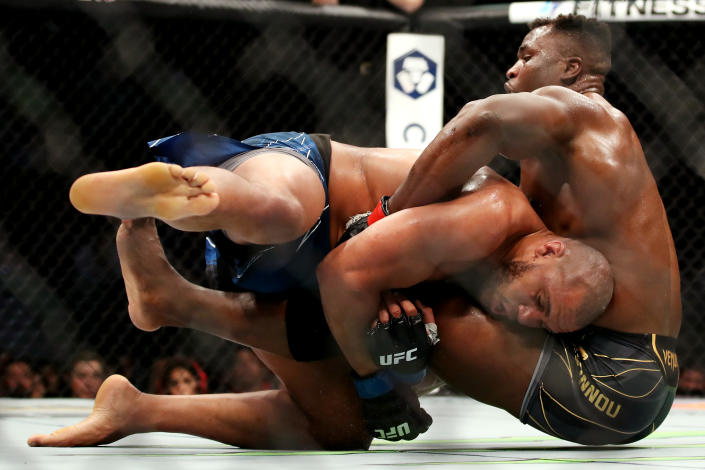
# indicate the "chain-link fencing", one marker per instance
pixel 86 84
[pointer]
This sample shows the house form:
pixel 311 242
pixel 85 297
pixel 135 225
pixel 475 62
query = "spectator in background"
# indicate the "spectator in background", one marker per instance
pixel 87 371
pixel 248 374
pixel 183 376
pixel 20 381
pixel 51 379
pixel 692 382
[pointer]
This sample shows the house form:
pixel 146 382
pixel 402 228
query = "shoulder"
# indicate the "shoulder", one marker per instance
pixel 578 104
pixel 571 99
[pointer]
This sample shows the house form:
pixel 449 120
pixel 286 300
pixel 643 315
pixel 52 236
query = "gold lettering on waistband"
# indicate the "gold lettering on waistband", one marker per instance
pixel 670 358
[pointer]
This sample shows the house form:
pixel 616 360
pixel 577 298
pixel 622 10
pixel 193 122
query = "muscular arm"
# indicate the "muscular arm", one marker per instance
pixel 401 251
pixel 518 126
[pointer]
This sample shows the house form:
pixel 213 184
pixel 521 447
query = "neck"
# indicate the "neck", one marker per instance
pixel 589 84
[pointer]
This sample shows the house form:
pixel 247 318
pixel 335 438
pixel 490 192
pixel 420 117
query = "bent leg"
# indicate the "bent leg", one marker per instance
pixel 258 420
pixel 318 409
pixel 159 296
pixel 489 360
pixel 270 198
pixel 325 394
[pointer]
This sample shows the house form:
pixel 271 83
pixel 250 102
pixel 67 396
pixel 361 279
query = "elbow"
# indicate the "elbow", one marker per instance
pixel 337 277
pixel 479 119
pixel 325 273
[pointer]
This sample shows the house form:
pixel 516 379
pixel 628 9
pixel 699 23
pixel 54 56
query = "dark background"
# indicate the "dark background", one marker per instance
pixel 84 87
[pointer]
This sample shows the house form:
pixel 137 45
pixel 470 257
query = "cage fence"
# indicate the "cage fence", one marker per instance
pixel 86 84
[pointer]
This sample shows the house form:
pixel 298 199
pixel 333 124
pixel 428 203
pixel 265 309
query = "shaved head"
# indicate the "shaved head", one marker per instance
pixel 587 38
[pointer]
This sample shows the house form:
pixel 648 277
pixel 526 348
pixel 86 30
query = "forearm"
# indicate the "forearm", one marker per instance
pixel 396 252
pixel 464 145
pixel 349 311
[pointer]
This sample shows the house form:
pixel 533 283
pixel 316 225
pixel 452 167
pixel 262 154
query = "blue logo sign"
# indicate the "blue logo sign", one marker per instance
pixel 414 133
pixel 414 74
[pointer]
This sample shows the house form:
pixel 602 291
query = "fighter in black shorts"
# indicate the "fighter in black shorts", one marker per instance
pixel 599 386
pixel 584 170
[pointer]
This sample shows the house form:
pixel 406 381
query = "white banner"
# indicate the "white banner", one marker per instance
pixel 414 89
pixel 615 10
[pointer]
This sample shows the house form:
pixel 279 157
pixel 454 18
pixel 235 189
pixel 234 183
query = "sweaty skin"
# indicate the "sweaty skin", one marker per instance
pixel 490 224
pixel 583 168
pixel 588 177
pixel 318 408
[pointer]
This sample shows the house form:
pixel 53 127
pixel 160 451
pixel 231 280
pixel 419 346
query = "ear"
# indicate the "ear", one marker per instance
pixel 531 317
pixel 551 248
pixel 573 67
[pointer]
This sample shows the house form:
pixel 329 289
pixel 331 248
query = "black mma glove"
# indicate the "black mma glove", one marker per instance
pixel 403 344
pixel 360 222
pixel 391 410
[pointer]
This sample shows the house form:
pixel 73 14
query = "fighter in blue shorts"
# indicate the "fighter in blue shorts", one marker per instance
pixel 270 268
pixel 585 173
pixel 263 203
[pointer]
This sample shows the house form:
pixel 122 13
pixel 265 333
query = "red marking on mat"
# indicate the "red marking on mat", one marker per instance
pixel 692 406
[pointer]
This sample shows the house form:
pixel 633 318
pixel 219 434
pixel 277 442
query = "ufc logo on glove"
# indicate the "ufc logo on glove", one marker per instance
pixel 396 358
pixel 394 432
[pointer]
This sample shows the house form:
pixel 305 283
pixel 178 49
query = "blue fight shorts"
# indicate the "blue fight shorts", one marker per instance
pixel 265 269
pixel 598 386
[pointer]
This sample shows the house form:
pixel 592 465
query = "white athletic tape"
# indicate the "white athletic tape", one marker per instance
pixel 414 89
pixel 432 332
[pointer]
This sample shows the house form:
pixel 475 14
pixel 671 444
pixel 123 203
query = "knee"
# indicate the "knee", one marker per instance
pixel 285 217
pixel 350 439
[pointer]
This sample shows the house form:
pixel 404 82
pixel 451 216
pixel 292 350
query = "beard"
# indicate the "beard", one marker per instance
pixel 515 269
pixel 497 281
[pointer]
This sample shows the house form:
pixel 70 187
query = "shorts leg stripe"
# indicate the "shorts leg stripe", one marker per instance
pixel 624 359
pixel 545 417
pixel 632 396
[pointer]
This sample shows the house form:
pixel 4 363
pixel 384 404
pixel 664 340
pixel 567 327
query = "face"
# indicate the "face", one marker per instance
pixel 86 378
pixel 519 293
pixel 182 382
pixel 532 292
pixel 538 64
pixel 19 379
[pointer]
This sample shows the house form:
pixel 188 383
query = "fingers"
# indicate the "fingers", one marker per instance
pixel 396 303
pixel 382 316
pixel 426 312
pixel 389 315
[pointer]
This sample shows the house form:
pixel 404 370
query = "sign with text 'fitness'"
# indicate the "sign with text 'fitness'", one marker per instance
pixel 614 10
pixel 414 89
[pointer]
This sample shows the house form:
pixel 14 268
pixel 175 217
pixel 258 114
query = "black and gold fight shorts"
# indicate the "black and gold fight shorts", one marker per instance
pixel 598 386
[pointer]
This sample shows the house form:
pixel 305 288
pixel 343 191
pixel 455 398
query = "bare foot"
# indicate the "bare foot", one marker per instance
pixel 112 418
pixel 150 281
pixel 161 190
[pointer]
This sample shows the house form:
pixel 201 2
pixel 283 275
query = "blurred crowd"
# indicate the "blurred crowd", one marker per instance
pixel 82 376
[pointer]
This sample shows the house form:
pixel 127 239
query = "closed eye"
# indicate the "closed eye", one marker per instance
pixel 539 302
